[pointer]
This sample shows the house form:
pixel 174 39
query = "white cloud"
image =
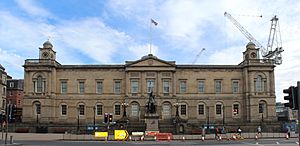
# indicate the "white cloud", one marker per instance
pixel 93 38
pixel 31 7
pixel 141 50
pixel 12 63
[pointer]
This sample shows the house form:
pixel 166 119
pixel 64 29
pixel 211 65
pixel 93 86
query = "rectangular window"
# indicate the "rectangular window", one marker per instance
pixel 201 86
pixel 134 86
pixel 150 85
pixel 117 87
pixel 235 109
pixel 64 110
pixel 182 86
pixel 218 86
pixel 218 109
pixel 11 84
pixel 117 109
pixel 64 87
pixel 99 87
pixel 201 109
pixel 183 109
pixel 99 109
pixel 81 87
pixel 235 87
pixel 81 110
pixel 166 86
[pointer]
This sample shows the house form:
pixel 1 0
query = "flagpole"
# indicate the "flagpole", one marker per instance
pixel 150 36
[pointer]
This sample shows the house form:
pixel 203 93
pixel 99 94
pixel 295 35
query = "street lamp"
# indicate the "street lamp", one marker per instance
pixel 176 105
pixel 94 108
pixel 124 105
pixel 78 112
pixel 223 115
pixel 207 119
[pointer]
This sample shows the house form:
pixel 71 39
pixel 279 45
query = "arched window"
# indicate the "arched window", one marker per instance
pixel 260 83
pixel 39 84
pixel 262 109
pixel 135 109
pixel 166 110
pixel 37 108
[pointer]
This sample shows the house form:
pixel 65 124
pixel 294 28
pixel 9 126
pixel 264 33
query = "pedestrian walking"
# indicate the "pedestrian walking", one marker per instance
pixel 288 131
pixel 216 133
pixel 259 131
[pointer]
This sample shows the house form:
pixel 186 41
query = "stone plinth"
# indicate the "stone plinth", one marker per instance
pixel 151 121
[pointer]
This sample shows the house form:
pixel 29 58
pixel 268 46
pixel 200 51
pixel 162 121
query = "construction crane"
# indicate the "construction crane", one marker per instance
pixel 267 53
pixel 198 55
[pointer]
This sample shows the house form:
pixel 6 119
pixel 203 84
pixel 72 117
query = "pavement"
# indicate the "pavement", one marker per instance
pixel 53 137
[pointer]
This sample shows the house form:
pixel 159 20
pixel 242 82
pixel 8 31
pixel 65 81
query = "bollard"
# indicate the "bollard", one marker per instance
pixel 142 138
pixel 11 139
pixel 183 138
pixel 155 138
pixel 169 139
pixel 287 136
pixel 202 138
pixel 129 138
pixel 256 137
pixel 220 138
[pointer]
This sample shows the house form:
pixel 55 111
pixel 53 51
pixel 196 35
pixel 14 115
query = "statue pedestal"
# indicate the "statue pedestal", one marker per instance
pixel 151 121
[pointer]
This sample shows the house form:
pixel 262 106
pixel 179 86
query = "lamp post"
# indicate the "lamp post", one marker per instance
pixel 78 112
pixel 176 105
pixel 223 115
pixel 207 119
pixel 124 105
pixel 94 108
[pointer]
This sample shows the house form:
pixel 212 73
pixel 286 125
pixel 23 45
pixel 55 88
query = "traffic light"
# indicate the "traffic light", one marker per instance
pixel 110 117
pixel 292 97
pixel 105 118
pixel 14 112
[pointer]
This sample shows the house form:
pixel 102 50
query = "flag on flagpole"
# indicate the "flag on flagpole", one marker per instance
pixel 154 22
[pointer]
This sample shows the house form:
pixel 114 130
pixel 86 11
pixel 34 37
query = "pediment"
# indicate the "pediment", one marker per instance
pixel 150 61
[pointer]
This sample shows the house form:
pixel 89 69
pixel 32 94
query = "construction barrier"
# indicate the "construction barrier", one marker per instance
pixel 164 136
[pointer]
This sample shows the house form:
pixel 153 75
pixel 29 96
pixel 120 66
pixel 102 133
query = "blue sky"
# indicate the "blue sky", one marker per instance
pixel 113 31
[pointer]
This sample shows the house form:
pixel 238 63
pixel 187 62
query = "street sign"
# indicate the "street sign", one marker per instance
pixel 101 134
pixel 121 134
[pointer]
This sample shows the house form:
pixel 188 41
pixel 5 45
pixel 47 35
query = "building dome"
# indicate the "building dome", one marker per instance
pixel 47 44
pixel 250 45
pixel 149 56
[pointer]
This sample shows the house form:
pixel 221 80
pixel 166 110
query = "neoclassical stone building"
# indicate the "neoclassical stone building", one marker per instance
pixel 242 94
